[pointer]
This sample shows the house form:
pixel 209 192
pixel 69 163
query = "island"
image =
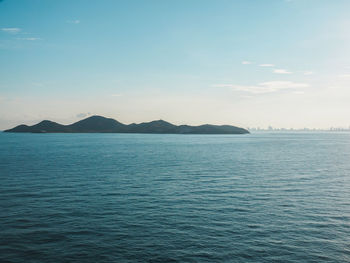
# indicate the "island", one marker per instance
pixel 99 124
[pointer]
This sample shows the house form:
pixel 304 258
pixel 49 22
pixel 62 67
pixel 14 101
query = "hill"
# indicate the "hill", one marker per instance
pixel 99 124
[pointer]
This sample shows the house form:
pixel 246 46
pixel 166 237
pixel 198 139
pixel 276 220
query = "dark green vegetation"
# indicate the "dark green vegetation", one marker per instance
pixel 107 125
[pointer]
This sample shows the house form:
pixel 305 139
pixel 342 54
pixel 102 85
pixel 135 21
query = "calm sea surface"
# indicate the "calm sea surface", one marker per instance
pixel 264 197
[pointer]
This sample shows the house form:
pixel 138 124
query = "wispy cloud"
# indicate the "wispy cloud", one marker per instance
pixel 281 71
pixel 76 21
pixel 266 65
pixel 277 85
pixel 246 62
pixel 83 115
pixel 19 32
pixel 116 95
pixel 11 30
pixel 308 73
pixel 29 38
pixel 265 87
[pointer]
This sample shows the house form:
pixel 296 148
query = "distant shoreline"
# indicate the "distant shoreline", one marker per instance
pixel 99 124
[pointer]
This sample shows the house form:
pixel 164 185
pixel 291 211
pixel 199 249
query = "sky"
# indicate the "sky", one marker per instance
pixel 284 63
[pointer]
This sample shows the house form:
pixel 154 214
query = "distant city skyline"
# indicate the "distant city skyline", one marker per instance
pixel 278 63
pixel 270 128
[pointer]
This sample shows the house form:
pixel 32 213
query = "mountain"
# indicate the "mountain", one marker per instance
pixel 95 124
pixel 43 126
pixel 153 127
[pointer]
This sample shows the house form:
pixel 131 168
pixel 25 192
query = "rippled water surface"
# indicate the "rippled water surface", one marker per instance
pixel 264 197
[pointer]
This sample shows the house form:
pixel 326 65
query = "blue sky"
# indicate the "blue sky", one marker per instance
pixel 249 63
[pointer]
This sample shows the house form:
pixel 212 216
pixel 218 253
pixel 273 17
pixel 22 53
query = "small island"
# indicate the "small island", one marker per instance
pixel 99 124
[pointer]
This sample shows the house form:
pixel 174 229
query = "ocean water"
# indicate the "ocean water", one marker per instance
pixel 264 197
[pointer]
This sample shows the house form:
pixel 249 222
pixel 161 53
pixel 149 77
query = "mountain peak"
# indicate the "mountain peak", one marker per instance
pixel 97 124
pixel 162 122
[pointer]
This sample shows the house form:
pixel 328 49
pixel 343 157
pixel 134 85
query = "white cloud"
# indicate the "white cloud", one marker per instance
pixel 281 71
pixel 265 87
pixel 284 84
pixel 29 38
pixel 83 115
pixel 246 62
pixel 308 73
pixel 76 21
pixel 116 95
pixel 11 30
pixel 266 65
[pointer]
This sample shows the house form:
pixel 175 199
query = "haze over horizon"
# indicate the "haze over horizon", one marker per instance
pixel 284 63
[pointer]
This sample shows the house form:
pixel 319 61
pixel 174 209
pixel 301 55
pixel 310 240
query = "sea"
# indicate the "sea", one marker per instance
pixel 260 197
